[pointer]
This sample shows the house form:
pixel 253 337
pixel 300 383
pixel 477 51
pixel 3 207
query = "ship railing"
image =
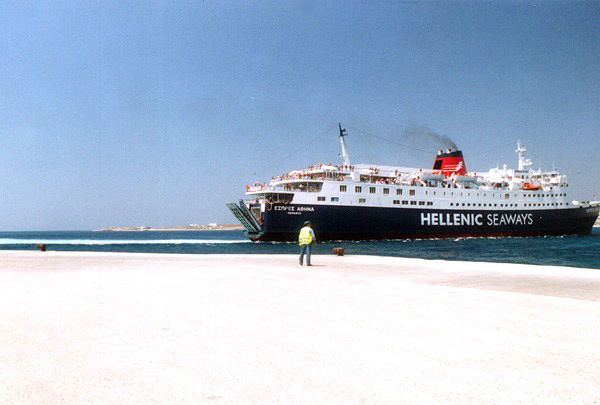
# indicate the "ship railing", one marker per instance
pixel 304 177
pixel 316 172
pixel 255 188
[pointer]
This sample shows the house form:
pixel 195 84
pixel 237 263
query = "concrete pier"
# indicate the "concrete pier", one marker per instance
pixel 155 328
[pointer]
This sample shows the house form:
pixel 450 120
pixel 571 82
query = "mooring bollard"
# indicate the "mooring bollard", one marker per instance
pixel 338 251
pixel 42 246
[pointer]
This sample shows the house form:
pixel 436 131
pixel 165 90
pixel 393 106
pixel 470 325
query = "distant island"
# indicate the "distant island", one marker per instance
pixel 191 227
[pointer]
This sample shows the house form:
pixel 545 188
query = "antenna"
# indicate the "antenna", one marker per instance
pixel 345 157
pixel 522 161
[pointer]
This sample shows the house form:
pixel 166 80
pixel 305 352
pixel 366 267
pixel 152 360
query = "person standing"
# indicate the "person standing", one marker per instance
pixel 306 237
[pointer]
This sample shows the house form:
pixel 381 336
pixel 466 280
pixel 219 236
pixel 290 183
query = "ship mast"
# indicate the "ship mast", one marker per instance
pixel 523 162
pixel 345 157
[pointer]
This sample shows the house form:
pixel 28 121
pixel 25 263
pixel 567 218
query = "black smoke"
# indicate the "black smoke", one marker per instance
pixel 425 137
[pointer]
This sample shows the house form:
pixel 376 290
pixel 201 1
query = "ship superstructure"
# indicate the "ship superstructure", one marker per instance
pixel 366 201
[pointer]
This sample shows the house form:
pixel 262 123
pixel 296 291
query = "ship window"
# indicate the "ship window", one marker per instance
pixel 386 191
pixel 451 204
pixel 335 198
pixel 506 196
pixel 343 188
pixel 495 205
pixel 320 198
pixel 468 204
pixel 398 191
pixel 396 201
pixel 429 202
pixel 404 202
pixel 362 200
pixel 463 204
pixel 413 203
pixel 421 202
pixel 372 190
pixel 437 165
pixel 412 192
pixel 479 205
pixel 358 189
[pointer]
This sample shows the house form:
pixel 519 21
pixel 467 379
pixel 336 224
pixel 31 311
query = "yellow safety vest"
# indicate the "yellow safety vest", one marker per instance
pixel 305 237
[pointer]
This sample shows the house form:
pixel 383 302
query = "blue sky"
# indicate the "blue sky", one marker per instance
pixel 158 113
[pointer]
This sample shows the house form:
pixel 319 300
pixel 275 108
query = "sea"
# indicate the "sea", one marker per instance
pixel 573 251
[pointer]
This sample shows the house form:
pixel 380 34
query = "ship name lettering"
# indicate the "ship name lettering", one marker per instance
pixel 509 219
pixel 472 219
pixel 293 208
pixel 447 219
pixel 284 208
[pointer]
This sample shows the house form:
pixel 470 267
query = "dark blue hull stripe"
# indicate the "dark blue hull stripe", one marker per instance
pixel 283 222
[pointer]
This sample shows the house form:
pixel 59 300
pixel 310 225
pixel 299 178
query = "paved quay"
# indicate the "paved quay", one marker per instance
pixel 108 328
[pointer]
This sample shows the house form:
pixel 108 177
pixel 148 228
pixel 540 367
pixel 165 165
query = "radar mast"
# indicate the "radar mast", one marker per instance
pixel 345 157
pixel 523 162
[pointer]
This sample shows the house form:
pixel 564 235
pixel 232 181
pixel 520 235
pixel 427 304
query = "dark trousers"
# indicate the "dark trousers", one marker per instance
pixel 305 249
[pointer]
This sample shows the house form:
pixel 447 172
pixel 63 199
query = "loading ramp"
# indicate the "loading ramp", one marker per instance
pixel 246 218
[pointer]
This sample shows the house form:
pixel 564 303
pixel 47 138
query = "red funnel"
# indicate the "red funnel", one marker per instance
pixel 450 163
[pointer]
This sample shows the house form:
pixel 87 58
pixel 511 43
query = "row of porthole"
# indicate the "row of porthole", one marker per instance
pixel 372 190
pixel 406 202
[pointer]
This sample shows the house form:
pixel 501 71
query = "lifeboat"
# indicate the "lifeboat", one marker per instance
pixel 531 187
pixel 465 179
pixel 432 177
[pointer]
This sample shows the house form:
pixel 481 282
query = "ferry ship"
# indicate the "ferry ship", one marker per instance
pixel 370 202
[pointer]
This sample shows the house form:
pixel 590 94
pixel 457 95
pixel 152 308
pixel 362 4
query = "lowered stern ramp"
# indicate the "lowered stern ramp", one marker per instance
pixel 243 215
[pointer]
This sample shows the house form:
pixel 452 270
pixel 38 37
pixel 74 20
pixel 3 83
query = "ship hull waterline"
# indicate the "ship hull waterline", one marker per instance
pixel 282 222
